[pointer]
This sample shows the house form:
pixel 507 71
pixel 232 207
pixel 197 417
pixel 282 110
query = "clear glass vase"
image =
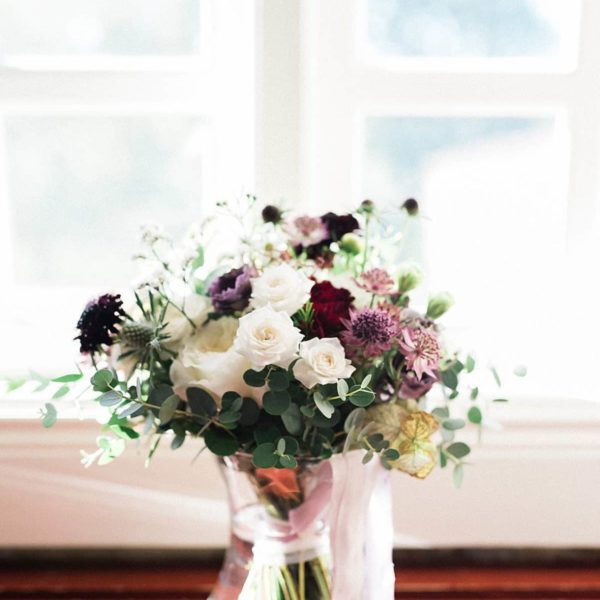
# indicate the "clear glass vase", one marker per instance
pixel 268 558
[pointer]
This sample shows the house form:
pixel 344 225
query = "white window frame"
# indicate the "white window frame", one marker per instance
pixel 310 96
pixel 217 84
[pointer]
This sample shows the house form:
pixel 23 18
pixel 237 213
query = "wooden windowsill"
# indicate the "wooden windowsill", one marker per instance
pixel 182 576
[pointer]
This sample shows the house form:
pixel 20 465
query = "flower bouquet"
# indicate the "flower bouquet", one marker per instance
pixel 293 355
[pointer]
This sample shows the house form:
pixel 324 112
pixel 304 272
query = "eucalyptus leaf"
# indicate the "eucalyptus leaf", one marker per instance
pixel 449 379
pixel 101 380
pixel 470 364
pixel 278 381
pixel 292 419
pixel 276 403
pixel 453 424
pixel 250 412
pixel 264 456
pixel 457 475
pixel 220 442
pixel 68 378
pixel 323 405
pixel 200 402
pixel 342 388
pixel 110 398
pixel 63 390
pixel 362 397
pixel 458 449
pixel 255 378
pixel 168 408
pixel 49 415
pixel 474 415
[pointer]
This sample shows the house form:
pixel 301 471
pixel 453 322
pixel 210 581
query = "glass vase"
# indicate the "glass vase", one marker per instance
pixel 268 558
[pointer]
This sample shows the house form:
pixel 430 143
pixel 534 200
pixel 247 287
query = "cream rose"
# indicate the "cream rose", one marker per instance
pixel 267 337
pixel 322 360
pixel 284 288
pixel 217 373
pixel 178 326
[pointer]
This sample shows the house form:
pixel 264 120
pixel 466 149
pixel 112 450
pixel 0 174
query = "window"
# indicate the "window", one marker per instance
pixel 113 114
pixel 483 111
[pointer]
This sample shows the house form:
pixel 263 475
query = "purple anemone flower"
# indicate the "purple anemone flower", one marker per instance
pixel 231 292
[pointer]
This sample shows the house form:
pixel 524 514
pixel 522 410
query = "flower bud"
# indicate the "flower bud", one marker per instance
pixel 367 207
pixel 271 214
pixel 409 277
pixel 351 244
pixel 439 304
pixel 411 206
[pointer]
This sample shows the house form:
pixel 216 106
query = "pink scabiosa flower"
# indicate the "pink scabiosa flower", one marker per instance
pixel 306 231
pixel 376 281
pixel 421 348
pixel 371 331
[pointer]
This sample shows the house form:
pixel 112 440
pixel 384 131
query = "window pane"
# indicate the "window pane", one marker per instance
pixel 471 28
pixel 99 27
pixel 80 187
pixel 493 224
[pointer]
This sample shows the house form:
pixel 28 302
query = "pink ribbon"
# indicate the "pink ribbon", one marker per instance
pixel 359 501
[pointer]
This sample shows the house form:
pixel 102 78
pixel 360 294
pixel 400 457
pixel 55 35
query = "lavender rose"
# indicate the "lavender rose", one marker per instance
pixel 231 292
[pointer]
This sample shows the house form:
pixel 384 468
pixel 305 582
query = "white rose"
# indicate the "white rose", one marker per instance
pixel 215 336
pixel 322 361
pixel 178 326
pixel 267 337
pixel 217 373
pixel 281 286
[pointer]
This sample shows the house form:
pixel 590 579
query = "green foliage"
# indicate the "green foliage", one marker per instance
pixel 220 442
pixel 276 403
pixel 255 378
pixel 168 408
pixel 68 378
pixel 200 402
pixel 458 450
pixel 361 396
pixel 278 381
pixel 323 405
pixel 450 379
pixel 264 455
pixel 474 415
pixel 48 414
pixel 453 424
pixel 102 380
pixel 458 475
pixel 110 398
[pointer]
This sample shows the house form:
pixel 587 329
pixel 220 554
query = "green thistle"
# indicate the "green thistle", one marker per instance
pixel 137 335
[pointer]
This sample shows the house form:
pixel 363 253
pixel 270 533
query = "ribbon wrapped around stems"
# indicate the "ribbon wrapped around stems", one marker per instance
pixel 358 499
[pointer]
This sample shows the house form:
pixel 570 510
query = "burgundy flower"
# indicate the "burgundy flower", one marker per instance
pixel 338 225
pixel 330 305
pixel 231 292
pixel 98 323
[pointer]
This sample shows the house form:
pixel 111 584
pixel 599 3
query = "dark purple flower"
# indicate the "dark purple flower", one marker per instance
pixel 413 387
pixel 98 322
pixel 339 225
pixel 231 292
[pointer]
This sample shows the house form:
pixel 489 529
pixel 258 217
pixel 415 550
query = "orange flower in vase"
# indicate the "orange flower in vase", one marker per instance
pixel 281 483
